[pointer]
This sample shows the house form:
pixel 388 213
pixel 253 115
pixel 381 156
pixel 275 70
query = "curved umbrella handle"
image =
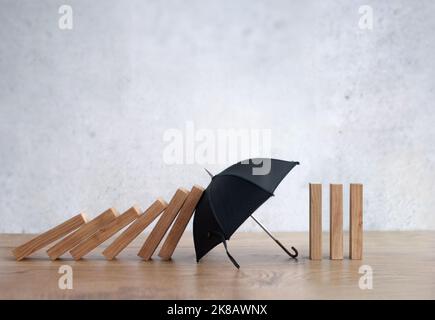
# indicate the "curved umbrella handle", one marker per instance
pixel 293 255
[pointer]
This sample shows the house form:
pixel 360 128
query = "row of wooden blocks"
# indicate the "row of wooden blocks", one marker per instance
pixel 336 221
pixel 81 236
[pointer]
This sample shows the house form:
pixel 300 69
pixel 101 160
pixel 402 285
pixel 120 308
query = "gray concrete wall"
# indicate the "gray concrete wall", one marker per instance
pixel 83 111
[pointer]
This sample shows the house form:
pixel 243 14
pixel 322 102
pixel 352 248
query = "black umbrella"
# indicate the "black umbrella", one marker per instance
pixel 231 197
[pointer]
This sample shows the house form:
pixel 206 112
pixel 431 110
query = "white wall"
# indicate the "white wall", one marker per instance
pixel 83 111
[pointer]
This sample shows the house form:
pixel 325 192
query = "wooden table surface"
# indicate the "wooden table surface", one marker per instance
pixel 403 266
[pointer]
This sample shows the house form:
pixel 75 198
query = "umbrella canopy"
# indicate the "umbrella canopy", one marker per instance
pixel 231 197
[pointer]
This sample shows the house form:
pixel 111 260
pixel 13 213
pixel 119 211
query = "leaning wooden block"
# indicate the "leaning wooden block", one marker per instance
pixel 82 233
pixel 135 229
pixel 356 221
pixel 315 221
pixel 180 223
pixel 49 237
pixel 105 233
pixel 163 224
pixel 336 221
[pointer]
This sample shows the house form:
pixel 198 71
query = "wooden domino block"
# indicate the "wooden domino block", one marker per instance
pixel 163 224
pixel 356 221
pixel 135 229
pixel 336 221
pixel 49 236
pixel 315 221
pixel 180 223
pixel 105 233
pixel 84 232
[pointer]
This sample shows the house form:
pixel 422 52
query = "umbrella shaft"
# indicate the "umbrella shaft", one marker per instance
pixel 264 228
pixel 293 255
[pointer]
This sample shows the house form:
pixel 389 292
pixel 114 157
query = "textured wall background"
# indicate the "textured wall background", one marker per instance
pixel 83 112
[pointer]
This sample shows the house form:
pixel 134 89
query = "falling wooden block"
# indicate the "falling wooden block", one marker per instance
pixel 49 237
pixel 336 221
pixel 356 221
pixel 180 223
pixel 84 232
pixel 105 233
pixel 163 224
pixel 135 229
pixel 315 221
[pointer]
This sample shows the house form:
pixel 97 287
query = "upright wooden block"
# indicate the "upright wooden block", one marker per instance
pixel 49 237
pixel 356 221
pixel 135 229
pixel 105 233
pixel 336 221
pixel 315 221
pixel 84 232
pixel 180 223
pixel 165 221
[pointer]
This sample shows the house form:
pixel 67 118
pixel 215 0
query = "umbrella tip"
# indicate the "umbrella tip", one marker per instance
pixel 209 173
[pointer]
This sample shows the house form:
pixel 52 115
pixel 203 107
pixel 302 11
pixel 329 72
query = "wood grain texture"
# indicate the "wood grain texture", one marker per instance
pixel 402 263
pixel 162 226
pixel 49 236
pixel 105 233
pixel 356 221
pixel 336 221
pixel 82 233
pixel 128 235
pixel 180 223
pixel 315 221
